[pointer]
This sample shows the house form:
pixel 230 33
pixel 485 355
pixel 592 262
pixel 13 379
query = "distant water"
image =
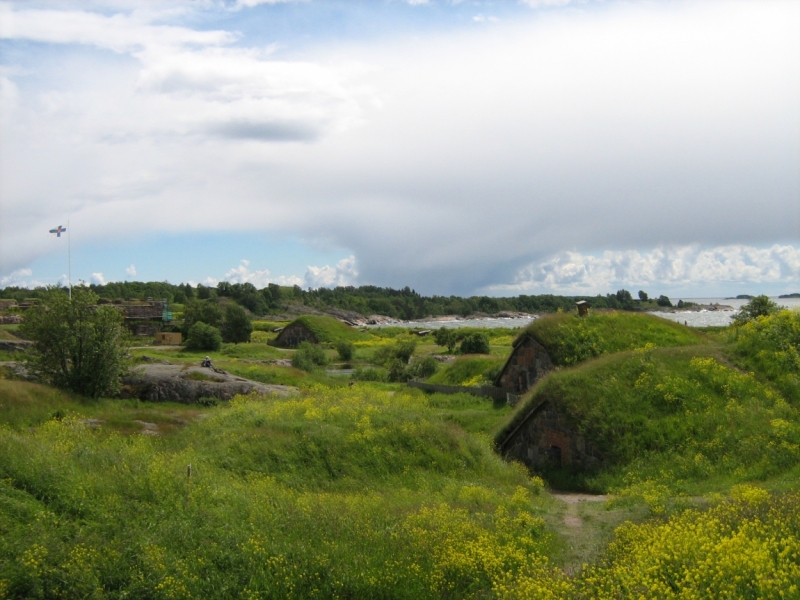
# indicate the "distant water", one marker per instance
pixel 694 319
pixel 715 318
pixel 456 323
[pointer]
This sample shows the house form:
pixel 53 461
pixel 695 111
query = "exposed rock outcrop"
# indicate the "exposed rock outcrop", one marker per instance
pixel 177 383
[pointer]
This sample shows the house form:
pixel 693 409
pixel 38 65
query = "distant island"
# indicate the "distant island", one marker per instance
pixel 795 295
pixel 741 297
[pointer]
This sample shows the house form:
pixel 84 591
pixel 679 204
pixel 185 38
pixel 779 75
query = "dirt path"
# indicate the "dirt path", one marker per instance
pixel 572 518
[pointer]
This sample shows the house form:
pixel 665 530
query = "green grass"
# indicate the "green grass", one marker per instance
pixel 770 347
pixel 570 339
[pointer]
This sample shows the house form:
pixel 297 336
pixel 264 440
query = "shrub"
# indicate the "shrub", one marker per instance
pixel 475 343
pixel 447 338
pixel 663 301
pixel 760 306
pixel 203 337
pixel 422 369
pixel 204 311
pixel 345 349
pixel 309 356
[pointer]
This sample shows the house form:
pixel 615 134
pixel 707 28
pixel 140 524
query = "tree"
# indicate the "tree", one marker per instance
pixel 345 349
pixel 643 296
pixel 237 326
pixel 77 345
pixel 475 343
pixel 203 337
pixel 446 337
pixel 206 311
pixel 760 306
pixel 663 301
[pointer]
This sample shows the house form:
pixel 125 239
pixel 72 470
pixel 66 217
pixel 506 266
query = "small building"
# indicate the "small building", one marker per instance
pixel 168 338
pixel 294 334
pixel 527 363
pixel 546 438
pixel 583 308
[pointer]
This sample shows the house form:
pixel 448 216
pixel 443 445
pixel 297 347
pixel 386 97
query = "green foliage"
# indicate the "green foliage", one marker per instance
pixel 447 337
pixel 760 306
pixel 345 350
pixel 205 311
pixel 770 345
pixel 309 356
pixel 424 368
pixel 203 337
pixel 400 351
pixel 663 301
pixel 569 339
pixel 237 326
pixel 475 343
pixel 78 346
pixel 465 369
pixel 643 296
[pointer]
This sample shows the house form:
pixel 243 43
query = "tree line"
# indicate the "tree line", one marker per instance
pixel 404 303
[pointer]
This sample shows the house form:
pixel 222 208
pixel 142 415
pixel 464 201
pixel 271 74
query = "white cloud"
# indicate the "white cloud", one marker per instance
pixel 259 278
pixel 120 32
pixel 16 278
pixel 546 3
pixel 344 273
pixel 131 271
pixel 445 160
pixel 576 273
pixel 251 3
pixel 98 279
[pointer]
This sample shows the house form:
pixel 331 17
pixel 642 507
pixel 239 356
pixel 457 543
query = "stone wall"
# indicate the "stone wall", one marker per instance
pixel 546 439
pixel 294 334
pixel 528 362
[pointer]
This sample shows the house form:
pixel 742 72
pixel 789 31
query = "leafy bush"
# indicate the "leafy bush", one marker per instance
pixel 309 356
pixel 401 350
pixel 663 301
pixel 466 368
pixel 370 374
pixel 446 337
pixel 475 343
pixel 204 311
pixel 203 337
pixel 422 369
pixel 345 349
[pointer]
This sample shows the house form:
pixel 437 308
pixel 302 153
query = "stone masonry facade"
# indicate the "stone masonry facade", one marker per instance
pixel 294 334
pixel 546 439
pixel 528 362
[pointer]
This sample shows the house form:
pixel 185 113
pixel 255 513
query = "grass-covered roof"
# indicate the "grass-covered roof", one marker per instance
pixel 328 329
pixel 681 408
pixel 570 339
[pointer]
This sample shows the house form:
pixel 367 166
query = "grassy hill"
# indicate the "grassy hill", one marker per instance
pixel 676 414
pixel 570 339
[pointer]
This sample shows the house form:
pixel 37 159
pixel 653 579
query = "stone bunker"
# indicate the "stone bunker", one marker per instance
pixel 527 363
pixel 546 437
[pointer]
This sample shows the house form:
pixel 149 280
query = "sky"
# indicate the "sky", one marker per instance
pixel 456 147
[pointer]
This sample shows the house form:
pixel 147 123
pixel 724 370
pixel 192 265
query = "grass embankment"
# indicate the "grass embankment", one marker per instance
pixel 570 339
pixel 355 493
pixel 768 346
pixel 674 417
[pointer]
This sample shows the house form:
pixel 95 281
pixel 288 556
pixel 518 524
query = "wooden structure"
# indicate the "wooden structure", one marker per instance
pixel 527 363
pixel 167 338
pixel 583 308
pixel 294 334
pixel 145 318
pixel 546 438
